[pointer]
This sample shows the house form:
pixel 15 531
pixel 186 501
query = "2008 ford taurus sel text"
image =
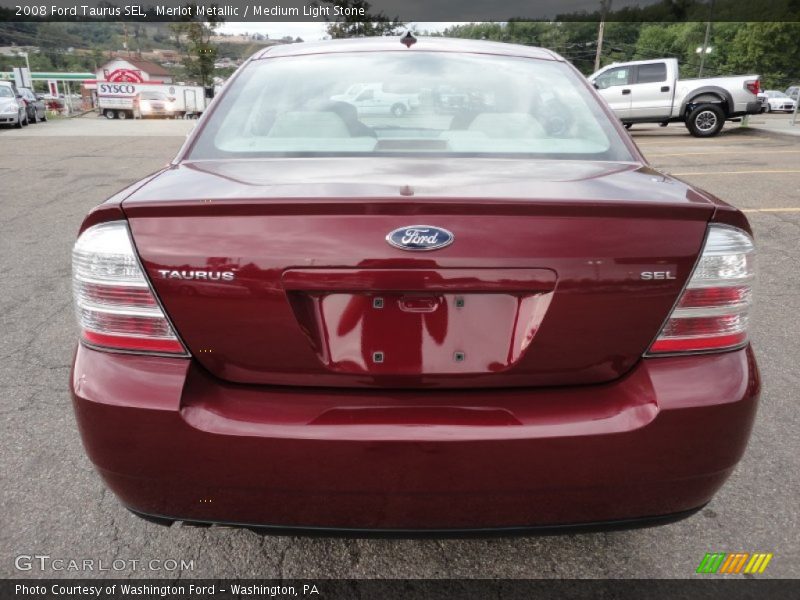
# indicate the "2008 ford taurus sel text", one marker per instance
pixel 482 310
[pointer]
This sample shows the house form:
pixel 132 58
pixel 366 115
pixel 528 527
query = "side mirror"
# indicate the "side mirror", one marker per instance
pixel 597 87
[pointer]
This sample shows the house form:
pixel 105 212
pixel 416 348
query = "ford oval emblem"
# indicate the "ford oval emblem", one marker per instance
pixel 420 237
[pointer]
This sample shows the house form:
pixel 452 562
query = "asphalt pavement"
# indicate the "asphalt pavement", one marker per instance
pixel 54 504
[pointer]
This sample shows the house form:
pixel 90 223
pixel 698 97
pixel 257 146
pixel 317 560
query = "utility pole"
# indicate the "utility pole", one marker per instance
pixel 704 51
pixel 605 6
pixel 125 33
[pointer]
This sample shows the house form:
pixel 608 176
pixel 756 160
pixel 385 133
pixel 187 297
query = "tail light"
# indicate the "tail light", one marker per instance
pixel 115 306
pixel 753 86
pixel 712 312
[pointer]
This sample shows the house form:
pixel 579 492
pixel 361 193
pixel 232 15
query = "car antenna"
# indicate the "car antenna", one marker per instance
pixel 408 39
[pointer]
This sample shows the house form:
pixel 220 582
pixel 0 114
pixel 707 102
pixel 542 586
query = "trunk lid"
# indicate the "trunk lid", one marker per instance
pixel 278 271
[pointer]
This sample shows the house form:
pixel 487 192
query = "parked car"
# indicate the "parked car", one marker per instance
pixel 779 102
pixel 649 91
pixel 793 92
pixel 451 100
pixel 12 109
pixel 504 321
pixel 376 99
pixel 762 98
pixel 34 106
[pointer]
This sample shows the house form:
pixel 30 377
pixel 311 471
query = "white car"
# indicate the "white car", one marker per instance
pixel 778 101
pixel 12 108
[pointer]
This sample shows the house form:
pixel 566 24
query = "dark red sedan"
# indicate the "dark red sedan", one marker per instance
pixel 481 311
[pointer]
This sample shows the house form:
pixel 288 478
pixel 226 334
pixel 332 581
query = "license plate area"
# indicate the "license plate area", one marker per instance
pixel 443 322
pixel 415 334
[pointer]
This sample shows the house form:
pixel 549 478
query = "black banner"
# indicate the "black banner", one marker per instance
pixel 701 588
pixel 402 10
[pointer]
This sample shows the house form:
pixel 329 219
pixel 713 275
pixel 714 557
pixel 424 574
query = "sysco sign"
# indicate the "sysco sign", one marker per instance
pixel 116 89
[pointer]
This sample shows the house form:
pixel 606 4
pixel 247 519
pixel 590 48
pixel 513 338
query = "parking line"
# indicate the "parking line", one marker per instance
pixel 771 210
pixel 750 152
pixel 681 143
pixel 773 171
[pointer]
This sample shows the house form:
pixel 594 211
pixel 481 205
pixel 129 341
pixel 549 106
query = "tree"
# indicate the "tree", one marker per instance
pixel 769 49
pixel 200 52
pixel 364 25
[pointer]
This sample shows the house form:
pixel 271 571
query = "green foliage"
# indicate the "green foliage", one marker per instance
pixel 771 50
pixel 371 24
pixel 200 52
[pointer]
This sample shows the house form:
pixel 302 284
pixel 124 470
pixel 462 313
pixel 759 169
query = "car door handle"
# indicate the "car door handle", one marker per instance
pixel 625 92
pixel 664 88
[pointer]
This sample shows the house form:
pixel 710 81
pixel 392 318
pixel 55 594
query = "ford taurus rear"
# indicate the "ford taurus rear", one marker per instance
pixel 486 313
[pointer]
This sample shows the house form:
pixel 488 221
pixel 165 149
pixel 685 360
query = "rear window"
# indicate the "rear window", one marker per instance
pixel 409 103
pixel 652 73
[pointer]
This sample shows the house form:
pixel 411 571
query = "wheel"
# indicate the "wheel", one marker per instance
pixel 398 110
pixel 110 114
pixel 35 118
pixel 25 120
pixel 121 114
pixel 705 120
pixel 18 124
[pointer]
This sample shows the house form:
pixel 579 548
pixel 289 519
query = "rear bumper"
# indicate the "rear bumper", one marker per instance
pixel 754 107
pixel 172 441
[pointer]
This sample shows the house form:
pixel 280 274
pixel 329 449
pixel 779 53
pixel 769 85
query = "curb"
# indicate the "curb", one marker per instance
pixel 767 131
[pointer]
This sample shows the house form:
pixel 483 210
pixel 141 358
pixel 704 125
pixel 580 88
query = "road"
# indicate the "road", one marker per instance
pixel 54 503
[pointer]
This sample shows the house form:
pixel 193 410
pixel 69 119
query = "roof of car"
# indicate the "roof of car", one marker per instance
pixel 378 44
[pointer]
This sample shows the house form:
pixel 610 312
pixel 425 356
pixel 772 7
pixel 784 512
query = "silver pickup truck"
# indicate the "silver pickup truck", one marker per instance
pixel 649 91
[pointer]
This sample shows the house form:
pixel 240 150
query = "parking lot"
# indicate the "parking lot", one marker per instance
pixel 54 503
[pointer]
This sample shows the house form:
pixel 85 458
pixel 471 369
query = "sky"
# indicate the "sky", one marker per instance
pixel 309 31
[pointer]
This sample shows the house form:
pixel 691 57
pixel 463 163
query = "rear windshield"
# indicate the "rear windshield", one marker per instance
pixel 409 103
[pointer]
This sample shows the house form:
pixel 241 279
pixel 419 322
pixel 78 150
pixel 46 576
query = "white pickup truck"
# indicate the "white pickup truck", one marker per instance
pixel 649 91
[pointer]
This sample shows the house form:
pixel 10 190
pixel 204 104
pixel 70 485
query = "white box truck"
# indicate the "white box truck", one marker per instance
pixel 142 100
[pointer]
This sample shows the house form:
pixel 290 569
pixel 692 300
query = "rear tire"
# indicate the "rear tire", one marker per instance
pixel 122 115
pixel 110 114
pixel 18 124
pixel 705 120
pixel 398 110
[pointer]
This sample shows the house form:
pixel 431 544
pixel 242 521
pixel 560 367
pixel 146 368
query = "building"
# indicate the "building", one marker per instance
pixel 133 70
pixel 123 70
